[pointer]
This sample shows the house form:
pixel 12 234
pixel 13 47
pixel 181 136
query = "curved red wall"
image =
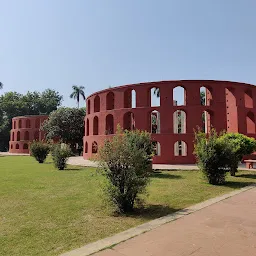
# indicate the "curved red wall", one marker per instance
pixel 25 129
pixel 231 106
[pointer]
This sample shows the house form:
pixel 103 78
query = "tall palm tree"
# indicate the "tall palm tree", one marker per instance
pixel 1 85
pixel 77 91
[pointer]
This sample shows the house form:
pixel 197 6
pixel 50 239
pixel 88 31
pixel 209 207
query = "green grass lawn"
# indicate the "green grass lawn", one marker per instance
pixel 46 212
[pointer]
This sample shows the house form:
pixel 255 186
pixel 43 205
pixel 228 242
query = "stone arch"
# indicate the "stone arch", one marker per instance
pixel 14 125
pixel 155 122
pixel 37 123
pixel 110 101
pixel 205 96
pixel 97 103
pixel 180 148
pixel 156 148
pixel 36 135
pixel 155 97
pixel 130 98
pixel 248 100
pixel 28 124
pixel 26 135
pixel 250 122
pixel 25 146
pixel 12 136
pixel 86 147
pixel 95 125
pixel 179 121
pixel 17 146
pixel 109 127
pixel 179 96
pixel 94 147
pixel 129 121
pixel 207 120
pixel 20 123
pixel 18 136
pixel 11 146
pixel 87 127
pixel 88 107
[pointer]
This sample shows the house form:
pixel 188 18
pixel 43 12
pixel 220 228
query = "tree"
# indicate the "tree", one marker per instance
pixel 241 145
pixel 126 163
pixel 66 124
pixel 77 91
pixel 1 85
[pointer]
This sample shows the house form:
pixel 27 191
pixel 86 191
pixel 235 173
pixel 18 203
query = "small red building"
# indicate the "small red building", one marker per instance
pixel 225 105
pixel 25 129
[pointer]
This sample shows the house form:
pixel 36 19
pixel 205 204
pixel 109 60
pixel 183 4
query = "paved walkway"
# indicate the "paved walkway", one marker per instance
pixel 222 229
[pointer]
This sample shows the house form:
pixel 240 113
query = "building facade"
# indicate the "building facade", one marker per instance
pixel 225 105
pixel 25 129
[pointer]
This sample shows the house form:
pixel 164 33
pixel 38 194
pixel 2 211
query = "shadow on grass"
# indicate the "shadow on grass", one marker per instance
pixel 237 184
pixel 248 176
pixel 161 175
pixel 151 212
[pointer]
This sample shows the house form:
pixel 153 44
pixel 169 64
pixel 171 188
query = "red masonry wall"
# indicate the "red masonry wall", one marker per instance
pixel 25 129
pixel 229 106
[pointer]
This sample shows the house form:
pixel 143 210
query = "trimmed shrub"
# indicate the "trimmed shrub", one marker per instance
pixel 60 155
pixel 212 156
pixel 126 163
pixel 39 150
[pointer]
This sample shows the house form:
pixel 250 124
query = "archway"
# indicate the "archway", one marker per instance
pixel 179 96
pixel 94 147
pixel 155 97
pixel 250 123
pixel 248 100
pixel 109 127
pixel 18 136
pixel 97 103
pixel 110 101
pixel 129 121
pixel 180 148
pixel 25 146
pixel 95 125
pixel 156 148
pixel 179 121
pixel 26 135
pixel 205 96
pixel 155 121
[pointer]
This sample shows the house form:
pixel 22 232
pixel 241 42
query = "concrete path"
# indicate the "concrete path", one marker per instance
pixel 222 229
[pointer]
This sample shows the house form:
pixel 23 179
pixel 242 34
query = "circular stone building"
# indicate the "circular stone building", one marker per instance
pixel 25 129
pixel 170 118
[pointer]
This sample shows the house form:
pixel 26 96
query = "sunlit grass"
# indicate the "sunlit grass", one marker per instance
pixel 46 212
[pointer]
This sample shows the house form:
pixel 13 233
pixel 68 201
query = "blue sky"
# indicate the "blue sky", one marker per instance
pixel 101 43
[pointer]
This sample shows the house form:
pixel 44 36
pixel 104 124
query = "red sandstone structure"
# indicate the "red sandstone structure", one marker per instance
pixel 25 129
pixel 226 106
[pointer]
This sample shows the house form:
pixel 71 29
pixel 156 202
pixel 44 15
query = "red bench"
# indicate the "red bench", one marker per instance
pixel 249 163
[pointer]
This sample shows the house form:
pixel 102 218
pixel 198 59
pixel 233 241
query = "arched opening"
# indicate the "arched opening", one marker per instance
pixel 110 101
pixel 88 107
pixel 250 123
pixel 20 124
pixel 231 108
pixel 156 148
pixel 25 146
pixel 205 96
pixel 155 97
pixel 248 101
pixel 155 121
pixel 180 148
pixel 97 103
pixel 86 147
pixel 36 135
pixel 179 96
pixel 28 123
pixel 95 125
pixel 179 121
pixel 130 98
pixel 37 124
pixel 12 136
pixel 14 124
pixel 17 146
pixel 109 124
pixel 94 147
pixel 207 120
pixel 129 121
pixel 26 135
pixel 11 146
pixel 18 136
pixel 87 127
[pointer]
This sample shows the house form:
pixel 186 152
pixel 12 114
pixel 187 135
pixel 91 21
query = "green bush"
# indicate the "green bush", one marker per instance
pixel 241 145
pixel 126 162
pixel 212 156
pixel 39 150
pixel 60 155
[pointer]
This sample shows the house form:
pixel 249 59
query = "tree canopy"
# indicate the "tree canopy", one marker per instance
pixel 66 124
pixel 77 91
